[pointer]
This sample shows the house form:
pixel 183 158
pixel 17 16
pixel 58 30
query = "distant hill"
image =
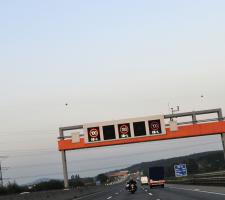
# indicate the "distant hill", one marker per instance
pixel 196 163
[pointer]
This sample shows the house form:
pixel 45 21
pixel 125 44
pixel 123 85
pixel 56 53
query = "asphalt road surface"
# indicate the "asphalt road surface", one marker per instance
pixel 170 192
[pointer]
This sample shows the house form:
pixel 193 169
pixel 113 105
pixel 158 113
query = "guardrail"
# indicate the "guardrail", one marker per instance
pixel 212 178
pixel 211 174
pixel 192 114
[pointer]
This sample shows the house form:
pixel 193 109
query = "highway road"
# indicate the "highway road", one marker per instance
pixel 170 192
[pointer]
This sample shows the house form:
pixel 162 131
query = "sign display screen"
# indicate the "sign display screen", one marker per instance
pixel 124 130
pixel 109 132
pixel 93 134
pixel 139 128
pixel 154 127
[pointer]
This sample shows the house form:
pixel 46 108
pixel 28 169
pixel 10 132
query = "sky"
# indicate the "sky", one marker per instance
pixel 108 60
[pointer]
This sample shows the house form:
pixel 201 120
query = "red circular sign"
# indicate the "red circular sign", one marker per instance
pixel 124 129
pixel 93 133
pixel 155 126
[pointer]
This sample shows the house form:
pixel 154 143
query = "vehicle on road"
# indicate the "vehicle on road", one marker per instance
pixel 131 186
pixel 144 180
pixel 156 176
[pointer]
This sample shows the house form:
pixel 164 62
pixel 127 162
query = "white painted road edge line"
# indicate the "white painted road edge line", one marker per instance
pixel 150 194
pixel 194 190
pixel 109 197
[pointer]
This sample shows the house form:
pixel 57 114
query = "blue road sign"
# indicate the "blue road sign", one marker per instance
pixel 180 170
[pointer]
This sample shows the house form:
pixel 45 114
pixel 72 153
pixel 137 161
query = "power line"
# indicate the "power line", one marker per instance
pixel 115 156
pixel 27 152
pixel 71 172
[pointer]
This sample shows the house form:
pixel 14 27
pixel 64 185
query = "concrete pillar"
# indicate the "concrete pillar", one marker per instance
pixel 65 172
pixel 223 142
pixel 220 117
pixel 64 164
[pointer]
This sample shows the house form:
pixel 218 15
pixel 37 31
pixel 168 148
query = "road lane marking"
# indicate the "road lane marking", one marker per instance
pixel 150 194
pixel 109 197
pixel 116 193
pixel 89 195
pixel 202 191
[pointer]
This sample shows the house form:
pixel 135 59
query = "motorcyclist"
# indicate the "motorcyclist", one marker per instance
pixel 130 182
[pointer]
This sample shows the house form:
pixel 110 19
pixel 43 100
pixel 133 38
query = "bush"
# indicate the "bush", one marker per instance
pixel 102 178
pixel 12 188
pixel 48 185
pixel 3 190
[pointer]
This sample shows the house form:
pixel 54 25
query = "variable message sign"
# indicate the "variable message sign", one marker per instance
pixel 124 129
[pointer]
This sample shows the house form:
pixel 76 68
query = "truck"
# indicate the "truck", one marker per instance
pixel 156 176
pixel 144 180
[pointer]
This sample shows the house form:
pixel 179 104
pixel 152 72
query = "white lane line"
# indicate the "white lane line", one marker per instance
pixel 116 193
pixel 157 199
pixel 109 197
pixel 150 194
pixel 202 191
pixel 89 195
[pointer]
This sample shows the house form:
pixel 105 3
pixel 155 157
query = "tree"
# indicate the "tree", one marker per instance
pixel 48 185
pixel 75 181
pixel 102 178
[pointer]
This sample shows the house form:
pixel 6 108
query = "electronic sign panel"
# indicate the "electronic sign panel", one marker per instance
pixel 93 134
pixel 154 127
pixel 109 132
pixel 124 130
pixel 139 128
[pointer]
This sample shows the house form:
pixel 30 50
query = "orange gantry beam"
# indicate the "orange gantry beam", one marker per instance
pixel 184 131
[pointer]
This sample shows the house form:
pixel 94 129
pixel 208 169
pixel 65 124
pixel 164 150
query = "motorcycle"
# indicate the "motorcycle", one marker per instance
pixel 132 188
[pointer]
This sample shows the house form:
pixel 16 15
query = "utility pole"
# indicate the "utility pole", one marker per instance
pixel 1 168
pixel 173 111
pixel 1 178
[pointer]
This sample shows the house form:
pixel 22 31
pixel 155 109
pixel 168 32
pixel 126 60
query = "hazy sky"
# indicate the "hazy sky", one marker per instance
pixel 107 60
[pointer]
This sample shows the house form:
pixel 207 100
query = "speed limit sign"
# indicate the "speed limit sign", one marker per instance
pixel 93 134
pixel 154 127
